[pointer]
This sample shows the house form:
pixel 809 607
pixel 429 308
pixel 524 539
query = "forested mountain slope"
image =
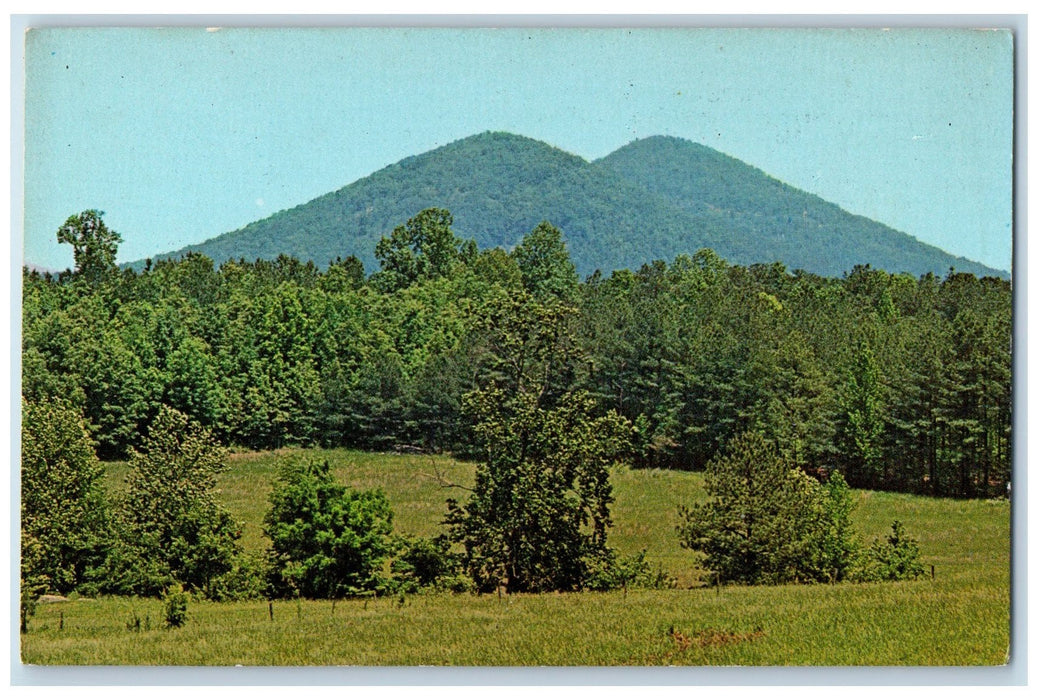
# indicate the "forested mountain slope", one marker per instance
pixel 652 199
pixel 774 221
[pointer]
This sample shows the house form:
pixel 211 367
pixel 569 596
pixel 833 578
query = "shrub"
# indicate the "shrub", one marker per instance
pixel 175 606
pixel 893 559
pixel 327 540
pixel 31 587
pixel 610 572
pixel 767 521
pixel 246 580
pixel 429 564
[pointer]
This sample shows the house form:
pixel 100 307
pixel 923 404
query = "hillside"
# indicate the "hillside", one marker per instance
pixel 652 199
pixel 778 222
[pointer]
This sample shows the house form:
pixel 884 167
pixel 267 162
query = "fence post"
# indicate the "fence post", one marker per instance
pixel 270 609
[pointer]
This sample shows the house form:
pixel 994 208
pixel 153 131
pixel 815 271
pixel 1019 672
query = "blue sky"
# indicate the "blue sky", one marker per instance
pixel 182 134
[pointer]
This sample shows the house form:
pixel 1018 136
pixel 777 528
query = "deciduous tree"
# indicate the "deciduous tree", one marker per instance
pixel 538 515
pixel 425 247
pixel 172 527
pixel 545 265
pixel 94 245
pixel 64 515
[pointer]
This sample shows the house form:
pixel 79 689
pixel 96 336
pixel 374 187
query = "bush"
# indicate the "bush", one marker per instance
pixel 32 586
pixel 895 559
pixel 429 564
pixel 610 572
pixel 327 540
pixel 246 580
pixel 175 606
pixel 768 522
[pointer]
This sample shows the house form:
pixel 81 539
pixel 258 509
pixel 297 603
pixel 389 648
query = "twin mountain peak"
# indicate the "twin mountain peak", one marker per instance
pixel 650 200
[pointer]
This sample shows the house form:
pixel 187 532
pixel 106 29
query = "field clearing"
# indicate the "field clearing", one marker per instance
pixel 959 618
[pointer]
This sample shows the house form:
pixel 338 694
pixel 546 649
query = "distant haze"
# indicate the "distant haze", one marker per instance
pixel 180 135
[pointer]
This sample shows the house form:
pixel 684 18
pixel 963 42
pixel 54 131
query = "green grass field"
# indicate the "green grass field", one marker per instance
pixel 958 618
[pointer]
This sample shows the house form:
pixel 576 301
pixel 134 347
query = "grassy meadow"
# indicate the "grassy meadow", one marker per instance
pixel 958 618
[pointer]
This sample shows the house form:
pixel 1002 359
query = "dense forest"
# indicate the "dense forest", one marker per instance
pixel 655 198
pixel 899 382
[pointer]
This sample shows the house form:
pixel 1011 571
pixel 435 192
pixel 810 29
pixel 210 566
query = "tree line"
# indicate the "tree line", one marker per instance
pixel 898 382
pixel 505 356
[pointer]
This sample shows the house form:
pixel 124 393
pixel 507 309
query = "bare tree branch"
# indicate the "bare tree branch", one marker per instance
pixel 446 483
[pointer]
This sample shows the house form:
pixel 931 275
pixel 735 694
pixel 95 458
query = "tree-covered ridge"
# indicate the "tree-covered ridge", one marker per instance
pixel 900 382
pixel 653 199
pixel 773 220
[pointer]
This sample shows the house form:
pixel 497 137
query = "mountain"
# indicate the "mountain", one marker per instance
pixel 651 199
pixel 772 220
